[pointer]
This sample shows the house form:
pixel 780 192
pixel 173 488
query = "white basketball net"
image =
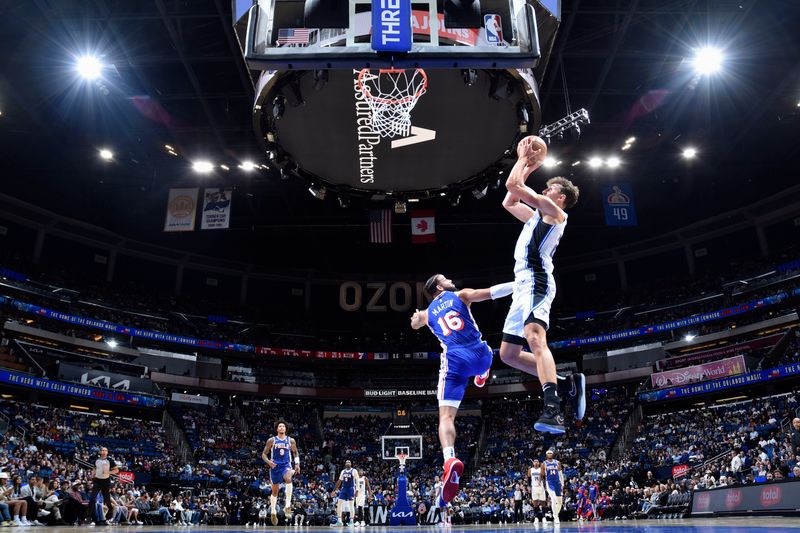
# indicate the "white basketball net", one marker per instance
pixel 392 94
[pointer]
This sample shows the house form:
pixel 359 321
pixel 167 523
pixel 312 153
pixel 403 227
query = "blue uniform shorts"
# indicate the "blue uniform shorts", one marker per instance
pixel 347 494
pixel 276 474
pixel 457 367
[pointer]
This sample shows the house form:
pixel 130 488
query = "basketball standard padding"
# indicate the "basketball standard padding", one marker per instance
pixel 462 14
pixel 326 14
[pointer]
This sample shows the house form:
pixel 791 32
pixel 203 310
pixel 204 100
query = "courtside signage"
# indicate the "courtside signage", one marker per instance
pixel 391 25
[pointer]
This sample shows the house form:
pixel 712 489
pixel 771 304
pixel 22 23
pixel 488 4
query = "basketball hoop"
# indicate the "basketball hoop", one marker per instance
pixel 392 94
pixel 402 458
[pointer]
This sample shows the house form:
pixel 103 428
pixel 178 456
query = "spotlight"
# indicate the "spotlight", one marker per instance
pixel 106 154
pixel 708 60
pixel 689 337
pixel 576 163
pixel 689 153
pixel 627 147
pixel 247 166
pixel 112 343
pixel 630 140
pixel 400 207
pixel 89 67
pixel 317 192
pixel 613 162
pixel 202 167
pixel 550 162
pixel 169 148
pixel 595 162
pixel 224 167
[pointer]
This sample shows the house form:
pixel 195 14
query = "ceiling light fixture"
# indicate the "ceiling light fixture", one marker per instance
pixel 595 162
pixel 202 167
pixel 708 60
pixel 89 67
pixel 689 153
pixel 106 154
pixel 247 166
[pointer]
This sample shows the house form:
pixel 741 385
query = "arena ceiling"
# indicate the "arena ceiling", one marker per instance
pixel 175 77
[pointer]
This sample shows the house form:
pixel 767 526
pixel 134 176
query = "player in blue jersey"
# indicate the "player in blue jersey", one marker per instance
pixel 554 480
pixel 346 487
pixel 464 354
pixel 544 217
pixel 278 454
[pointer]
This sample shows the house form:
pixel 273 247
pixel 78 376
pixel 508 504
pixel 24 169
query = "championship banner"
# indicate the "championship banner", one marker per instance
pixel 701 357
pixel 618 205
pixel 181 210
pixel 216 208
pixel 716 369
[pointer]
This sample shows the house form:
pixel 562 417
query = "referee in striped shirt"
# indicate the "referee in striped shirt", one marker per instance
pixel 103 469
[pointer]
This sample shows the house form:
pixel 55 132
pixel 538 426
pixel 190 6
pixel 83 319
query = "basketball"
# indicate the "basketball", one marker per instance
pixel 532 148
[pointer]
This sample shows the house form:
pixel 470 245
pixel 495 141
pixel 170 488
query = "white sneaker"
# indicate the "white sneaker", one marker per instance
pixel 16 523
pixel 25 522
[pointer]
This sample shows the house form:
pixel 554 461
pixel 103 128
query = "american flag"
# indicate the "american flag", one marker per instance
pixel 380 226
pixel 293 35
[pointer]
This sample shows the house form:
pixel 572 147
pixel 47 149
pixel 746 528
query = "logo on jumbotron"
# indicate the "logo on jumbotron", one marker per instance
pixel 733 499
pixel 701 501
pixel 770 496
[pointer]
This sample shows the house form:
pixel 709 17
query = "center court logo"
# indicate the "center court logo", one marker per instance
pixel 771 496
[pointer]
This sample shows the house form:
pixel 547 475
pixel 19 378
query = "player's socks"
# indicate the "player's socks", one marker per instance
pixel 449 453
pixel 273 502
pixel 481 380
pixel 453 469
pixel 288 505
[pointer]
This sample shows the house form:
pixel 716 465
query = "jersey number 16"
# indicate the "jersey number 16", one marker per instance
pixel 450 322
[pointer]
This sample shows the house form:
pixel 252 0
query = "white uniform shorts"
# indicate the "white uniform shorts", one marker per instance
pixel 538 495
pixel 360 500
pixel 529 303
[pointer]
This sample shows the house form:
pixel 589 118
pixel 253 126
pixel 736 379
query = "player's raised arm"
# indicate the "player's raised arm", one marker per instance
pixel 419 318
pixel 494 292
pixel 531 151
pixel 512 203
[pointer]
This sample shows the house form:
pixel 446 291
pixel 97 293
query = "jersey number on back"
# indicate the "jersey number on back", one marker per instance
pixel 450 322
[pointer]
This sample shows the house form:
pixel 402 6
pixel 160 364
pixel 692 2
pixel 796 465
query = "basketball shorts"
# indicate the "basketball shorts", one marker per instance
pixel 529 303
pixel 555 491
pixel 346 494
pixel 276 474
pixel 457 367
pixel 361 501
pixel 538 495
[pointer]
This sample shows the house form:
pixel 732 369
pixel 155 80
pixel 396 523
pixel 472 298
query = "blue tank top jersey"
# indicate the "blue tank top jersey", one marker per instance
pixel 347 479
pixel 281 451
pixel 592 492
pixel 451 321
pixel 551 473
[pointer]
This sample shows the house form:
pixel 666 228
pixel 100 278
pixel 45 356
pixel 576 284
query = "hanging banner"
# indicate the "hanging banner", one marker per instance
pixel 181 210
pixel 216 208
pixel 714 369
pixel 618 205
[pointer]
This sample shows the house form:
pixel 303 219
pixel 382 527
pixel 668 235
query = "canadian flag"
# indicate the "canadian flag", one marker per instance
pixel 423 227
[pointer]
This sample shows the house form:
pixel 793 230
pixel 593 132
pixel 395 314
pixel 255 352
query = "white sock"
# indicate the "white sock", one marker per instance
pixel 449 452
pixel 273 501
pixel 561 377
pixel 289 487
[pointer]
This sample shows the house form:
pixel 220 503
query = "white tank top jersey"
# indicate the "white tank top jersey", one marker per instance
pixel 536 478
pixel 361 486
pixel 536 246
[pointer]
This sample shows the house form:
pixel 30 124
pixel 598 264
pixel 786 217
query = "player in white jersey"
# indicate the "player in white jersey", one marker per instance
pixel 362 499
pixel 538 496
pixel 544 218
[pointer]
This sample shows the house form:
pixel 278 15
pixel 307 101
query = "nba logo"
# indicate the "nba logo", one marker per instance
pixel 494 29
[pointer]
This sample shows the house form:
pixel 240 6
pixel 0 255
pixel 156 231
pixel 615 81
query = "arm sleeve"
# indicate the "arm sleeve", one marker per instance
pixel 501 290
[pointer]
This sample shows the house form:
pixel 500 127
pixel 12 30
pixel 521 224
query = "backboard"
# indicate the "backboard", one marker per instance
pixel 325 34
pixel 393 445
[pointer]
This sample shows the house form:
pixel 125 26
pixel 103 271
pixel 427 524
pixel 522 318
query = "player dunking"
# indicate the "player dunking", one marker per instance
pixel 551 470
pixel 278 455
pixel 544 219
pixel 538 496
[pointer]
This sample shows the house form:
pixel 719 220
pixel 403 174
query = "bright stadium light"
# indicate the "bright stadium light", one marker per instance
pixel 689 337
pixel 247 166
pixel 613 162
pixel 689 153
pixel 202 167
pixel 550 162
pixel 112 343
pixel 708 60
pixel 595 162
pixel 89 67
pixel 106 154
